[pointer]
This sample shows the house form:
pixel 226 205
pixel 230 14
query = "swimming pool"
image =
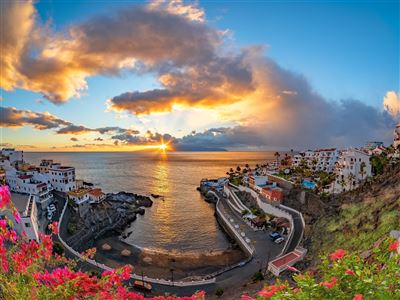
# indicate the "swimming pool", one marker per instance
pixel 309 184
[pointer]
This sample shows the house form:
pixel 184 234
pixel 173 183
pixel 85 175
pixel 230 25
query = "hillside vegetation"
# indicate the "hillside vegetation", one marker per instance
pixel 363 216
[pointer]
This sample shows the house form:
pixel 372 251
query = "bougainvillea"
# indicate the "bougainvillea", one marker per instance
pixel 344 275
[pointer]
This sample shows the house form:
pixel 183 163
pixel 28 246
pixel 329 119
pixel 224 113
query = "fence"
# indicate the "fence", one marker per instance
pixel 133 276
pixel 275 211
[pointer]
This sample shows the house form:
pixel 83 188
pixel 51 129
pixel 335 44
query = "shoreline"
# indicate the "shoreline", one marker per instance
pixel 158 264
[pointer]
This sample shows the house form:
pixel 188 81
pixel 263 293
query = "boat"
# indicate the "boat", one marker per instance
pixel 140 284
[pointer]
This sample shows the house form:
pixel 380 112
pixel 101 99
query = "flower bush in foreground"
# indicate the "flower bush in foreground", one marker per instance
pixel 345 276
pixel 30 270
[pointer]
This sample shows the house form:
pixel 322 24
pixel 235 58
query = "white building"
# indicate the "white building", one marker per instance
pixel 26 184
pixel 96 195
pixel 62 178
pixel 353 167
pixel 396 138
pixel 13 155
pixel 318 160
pixel 26 206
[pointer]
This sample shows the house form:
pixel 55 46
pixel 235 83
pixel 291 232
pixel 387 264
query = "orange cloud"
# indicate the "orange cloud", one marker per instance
pixel 391 103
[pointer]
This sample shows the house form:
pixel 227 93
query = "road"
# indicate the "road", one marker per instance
pixel 265 250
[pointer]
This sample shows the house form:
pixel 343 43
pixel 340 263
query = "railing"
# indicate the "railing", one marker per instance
pixel 133 276
pixel 237 235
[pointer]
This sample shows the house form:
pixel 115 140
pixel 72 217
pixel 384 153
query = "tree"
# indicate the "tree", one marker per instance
pixel 362 170
pixel 351 177
pixel 277 155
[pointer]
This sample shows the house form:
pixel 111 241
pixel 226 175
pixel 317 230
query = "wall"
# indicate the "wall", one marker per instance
pixel 133 276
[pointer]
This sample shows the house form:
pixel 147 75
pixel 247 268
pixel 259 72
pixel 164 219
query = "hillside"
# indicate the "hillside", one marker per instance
pixel 353 220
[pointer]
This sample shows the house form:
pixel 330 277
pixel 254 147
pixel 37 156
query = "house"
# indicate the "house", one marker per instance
pixel 318 160
pixel 396 137
pixel 273 194
pixel 352 167
pixel 81 199
pixel 96 195
pixel 62 178
pixel 26 206
pixel 13 155
pixel 372 145
pixel 255 181
pixel 26 184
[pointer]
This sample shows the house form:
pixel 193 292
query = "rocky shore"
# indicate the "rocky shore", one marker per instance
pixel 111 216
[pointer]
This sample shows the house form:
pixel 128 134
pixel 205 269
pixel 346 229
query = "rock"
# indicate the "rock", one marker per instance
pixel 148 259
pixel 125 252
pixel 106 247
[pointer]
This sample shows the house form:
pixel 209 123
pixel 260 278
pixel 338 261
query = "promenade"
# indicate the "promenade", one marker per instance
pixel 264 250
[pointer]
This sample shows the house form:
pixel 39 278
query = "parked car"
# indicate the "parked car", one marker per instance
pixel 49 215
pixel 274 235
pixel 279 240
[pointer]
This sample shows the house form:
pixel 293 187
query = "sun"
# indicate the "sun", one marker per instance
pixel 163 147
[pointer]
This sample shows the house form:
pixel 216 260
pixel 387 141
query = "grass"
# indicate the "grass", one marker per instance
pixel 358 226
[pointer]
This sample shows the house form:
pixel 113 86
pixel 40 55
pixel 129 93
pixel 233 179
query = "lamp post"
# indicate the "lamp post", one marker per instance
pixel 172 276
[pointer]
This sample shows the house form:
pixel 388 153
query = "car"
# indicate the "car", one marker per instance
pixel 49 215
pixel 140 284
pixel 274 235
pixel 279 240
pixel 51 208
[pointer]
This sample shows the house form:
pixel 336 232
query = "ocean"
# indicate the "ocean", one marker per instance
pixel 183 221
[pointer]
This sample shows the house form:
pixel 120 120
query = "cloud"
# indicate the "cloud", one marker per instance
pixel 130 138
pixel 12 117
pixel 137 38
pixel 177 7
pixel 98 139
pixel 74 139
pixel 195 66
pixel 391 103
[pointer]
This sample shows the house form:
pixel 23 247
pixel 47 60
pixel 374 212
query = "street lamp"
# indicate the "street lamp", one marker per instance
pixel 172 276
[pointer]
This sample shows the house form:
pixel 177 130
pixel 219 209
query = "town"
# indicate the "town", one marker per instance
pixel 249 205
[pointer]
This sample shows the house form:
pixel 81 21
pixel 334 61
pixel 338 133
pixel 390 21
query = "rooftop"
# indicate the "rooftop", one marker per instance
pixel 79 192
pixel 19 201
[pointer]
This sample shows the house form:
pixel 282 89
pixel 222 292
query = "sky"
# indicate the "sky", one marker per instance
pixel 198 75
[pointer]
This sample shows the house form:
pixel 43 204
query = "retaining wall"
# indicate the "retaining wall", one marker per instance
pixel 133 276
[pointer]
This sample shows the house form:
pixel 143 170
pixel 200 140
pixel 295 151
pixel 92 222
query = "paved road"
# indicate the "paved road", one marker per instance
pixel 265 250
pixel 298 228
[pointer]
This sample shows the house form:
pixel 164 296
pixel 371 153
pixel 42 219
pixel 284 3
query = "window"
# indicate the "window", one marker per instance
pixel 27 225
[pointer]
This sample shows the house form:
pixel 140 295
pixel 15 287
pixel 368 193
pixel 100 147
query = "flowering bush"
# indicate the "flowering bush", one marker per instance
pixel 30 270
pixel 345 276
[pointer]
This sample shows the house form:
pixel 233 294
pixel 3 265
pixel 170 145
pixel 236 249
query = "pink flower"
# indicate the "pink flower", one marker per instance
pixel 269 291
pixel 329 284
pixel 350 272
pixel 393 246
pixel 53 227
pixel 5 196
pixel 358 297
pixel 338 254
pixel 17 216
pixel 246 297
pixel 3 224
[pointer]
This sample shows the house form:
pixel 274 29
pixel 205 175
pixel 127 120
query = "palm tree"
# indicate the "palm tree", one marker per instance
pixel 351 178
pixel 277 155
pixel 343 183
pixel 362 170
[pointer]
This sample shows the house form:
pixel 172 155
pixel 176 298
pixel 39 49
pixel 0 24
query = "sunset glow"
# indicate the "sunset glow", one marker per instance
pixel 195 79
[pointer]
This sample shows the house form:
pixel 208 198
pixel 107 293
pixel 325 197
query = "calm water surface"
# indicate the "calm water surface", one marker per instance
pixel 184 221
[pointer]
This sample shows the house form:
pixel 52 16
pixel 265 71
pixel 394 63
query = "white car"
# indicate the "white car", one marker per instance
pixel 279 240
pixel 49 215
pixel 51 208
